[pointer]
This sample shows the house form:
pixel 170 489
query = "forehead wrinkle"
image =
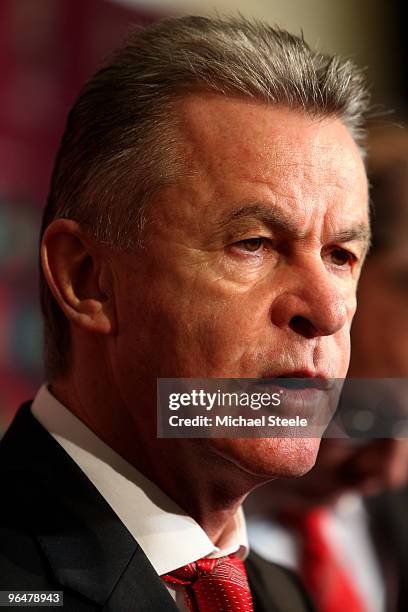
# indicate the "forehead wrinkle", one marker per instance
pixel 269 216
pixel 286 189
pixel 256 211
pixel 308 160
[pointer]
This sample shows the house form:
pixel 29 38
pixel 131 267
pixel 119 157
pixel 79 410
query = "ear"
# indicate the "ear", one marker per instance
pixel 78 275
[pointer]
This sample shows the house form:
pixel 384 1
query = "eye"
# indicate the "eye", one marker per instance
pixel 251 245
pixel 342 258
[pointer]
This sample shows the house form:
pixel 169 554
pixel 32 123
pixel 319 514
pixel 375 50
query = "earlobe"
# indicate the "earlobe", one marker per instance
pixel 73 269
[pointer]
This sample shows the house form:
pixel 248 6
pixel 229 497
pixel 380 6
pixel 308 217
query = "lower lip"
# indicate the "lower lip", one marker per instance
pixel 304 401
pixel 292 382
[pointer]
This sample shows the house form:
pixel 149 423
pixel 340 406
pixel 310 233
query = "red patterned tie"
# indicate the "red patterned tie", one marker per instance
pixel 328 584
pixel 211 585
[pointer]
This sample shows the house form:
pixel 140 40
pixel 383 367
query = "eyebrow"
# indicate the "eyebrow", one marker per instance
pixel 273 218
pixel 259 212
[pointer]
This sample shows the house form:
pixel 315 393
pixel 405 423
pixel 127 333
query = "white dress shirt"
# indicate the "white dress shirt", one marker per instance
pixel 167 535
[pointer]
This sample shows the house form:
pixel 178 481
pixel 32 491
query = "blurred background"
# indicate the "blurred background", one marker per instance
pixel 49 47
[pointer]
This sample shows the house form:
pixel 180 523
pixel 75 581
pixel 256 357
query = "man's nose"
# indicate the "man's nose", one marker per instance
pixel 313 306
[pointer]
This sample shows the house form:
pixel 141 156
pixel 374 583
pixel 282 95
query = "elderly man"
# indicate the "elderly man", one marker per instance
pixel 207 218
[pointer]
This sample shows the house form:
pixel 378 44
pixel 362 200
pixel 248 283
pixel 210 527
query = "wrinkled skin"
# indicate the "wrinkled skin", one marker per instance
pixel 216 302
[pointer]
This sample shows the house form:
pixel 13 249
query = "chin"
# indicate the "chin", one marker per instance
pixel 268 458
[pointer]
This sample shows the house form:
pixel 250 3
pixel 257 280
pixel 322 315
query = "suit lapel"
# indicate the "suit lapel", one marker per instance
pixel 150 593
pixel 274 588
pixel 88 548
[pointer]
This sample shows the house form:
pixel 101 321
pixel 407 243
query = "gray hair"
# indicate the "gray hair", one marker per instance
pixel 121 142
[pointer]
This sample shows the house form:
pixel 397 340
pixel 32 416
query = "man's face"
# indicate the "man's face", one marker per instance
pixel 250 263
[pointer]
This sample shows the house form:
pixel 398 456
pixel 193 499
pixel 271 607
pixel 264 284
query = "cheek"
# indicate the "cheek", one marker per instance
pixel 346 348
pixel 229 334
pixel 218 326
pixel 192 327
pixel 343 354
pixel 334 351
pixel 351 308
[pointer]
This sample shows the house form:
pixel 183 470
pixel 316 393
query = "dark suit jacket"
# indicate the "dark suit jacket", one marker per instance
pixel 58 533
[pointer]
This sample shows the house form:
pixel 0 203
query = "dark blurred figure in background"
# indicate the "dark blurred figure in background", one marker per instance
pixel 343 526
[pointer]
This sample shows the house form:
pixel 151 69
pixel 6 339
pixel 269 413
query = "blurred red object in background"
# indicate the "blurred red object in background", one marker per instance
pixel 47 50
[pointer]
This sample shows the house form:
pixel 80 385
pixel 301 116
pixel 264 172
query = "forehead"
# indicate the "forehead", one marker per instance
pixel 216 124
pixel 237 145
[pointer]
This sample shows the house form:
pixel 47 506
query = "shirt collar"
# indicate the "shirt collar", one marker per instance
pixel 168 536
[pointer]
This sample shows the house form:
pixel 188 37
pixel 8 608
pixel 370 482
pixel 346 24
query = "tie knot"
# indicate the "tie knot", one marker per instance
pixel 228 568
pixel 214 584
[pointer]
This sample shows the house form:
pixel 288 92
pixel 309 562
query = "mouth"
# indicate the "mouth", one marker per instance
pixel 298 380
pixel 305 394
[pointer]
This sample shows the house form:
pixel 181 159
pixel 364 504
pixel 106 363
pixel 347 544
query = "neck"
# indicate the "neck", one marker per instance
pixel 184 469
pixel 186 473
